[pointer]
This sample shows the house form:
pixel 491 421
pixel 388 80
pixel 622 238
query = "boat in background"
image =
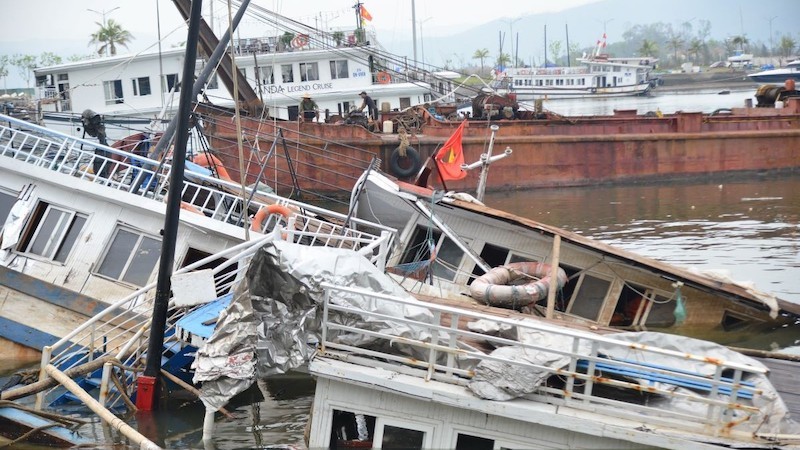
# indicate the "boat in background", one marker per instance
pixel 780 75
pixel 275 71
pixel 597 76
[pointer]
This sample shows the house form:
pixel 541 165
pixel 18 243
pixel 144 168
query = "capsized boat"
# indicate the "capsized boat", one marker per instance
pixel 393 367
pixel 457 241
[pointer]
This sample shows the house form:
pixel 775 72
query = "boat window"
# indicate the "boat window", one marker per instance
pixel 131 256
pixel 662 312
pixel 467 442
pixel 141 86
pixel 169 83
pixel 588 300
pixel 52 232
pixel 350 430
pixel 213 82
pixel 7 200
pixel 113 92
pixel 339 69
pixel 309 71
pixel 402 438
pixel 417 253
pixel 224 277
pixel 493 255
pixel 405 102
pixel 265 74
pixel 630 306
pixel 287 73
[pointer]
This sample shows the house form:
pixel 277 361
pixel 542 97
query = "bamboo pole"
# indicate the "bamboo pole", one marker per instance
pixel 191 389
pixel 47 383
pixel 551 293
pixel 106 415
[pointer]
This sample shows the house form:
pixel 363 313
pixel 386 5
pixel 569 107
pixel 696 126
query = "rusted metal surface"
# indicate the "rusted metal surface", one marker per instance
pixel 547 153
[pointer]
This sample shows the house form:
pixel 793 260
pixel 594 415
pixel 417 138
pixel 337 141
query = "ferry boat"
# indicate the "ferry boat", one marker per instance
pixel 333 67
pixel 598 76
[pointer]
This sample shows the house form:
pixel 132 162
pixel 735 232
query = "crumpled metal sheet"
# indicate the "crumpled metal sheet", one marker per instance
pixel 274 318
pixel 496 380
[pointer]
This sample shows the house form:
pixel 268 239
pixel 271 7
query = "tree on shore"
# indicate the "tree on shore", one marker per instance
pixel 481 54
pixel 787 46
pixel 5 61
pixel 695 48
pixel 740 41
pixel 648 48
pixel 675 42
pixel 109 36
pixel 25 65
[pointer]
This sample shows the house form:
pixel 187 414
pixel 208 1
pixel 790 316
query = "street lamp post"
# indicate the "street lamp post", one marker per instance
pixel 771 48
pixel 422 40
pixel 103 14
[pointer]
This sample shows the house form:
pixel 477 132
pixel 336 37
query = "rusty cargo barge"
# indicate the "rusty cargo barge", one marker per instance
pixel 548 151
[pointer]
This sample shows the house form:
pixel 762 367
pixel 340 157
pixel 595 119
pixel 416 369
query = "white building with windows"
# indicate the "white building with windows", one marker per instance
pixel 141 87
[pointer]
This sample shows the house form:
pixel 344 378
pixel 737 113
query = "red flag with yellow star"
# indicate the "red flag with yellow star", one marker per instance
pixel 451 156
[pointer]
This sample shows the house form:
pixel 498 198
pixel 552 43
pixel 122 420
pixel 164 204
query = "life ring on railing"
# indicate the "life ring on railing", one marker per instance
pixel 213 163
pixel 505 286
pixel 383 78
pixel 190 207
pixel 301 40
pixel 404 166
pixel 265 211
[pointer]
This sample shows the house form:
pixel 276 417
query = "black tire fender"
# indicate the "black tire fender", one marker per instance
pixel 414 163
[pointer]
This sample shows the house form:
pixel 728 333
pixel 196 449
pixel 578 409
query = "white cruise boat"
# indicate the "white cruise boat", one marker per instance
pixel 596 76
pixel 333 67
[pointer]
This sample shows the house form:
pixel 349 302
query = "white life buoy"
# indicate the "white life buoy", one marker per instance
pixel 515 285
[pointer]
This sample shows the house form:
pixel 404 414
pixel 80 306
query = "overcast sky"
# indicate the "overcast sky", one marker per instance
pixel 65 26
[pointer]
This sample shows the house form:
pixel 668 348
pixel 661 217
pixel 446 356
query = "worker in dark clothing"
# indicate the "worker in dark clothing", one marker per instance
pixel 308 108
pixel 369 103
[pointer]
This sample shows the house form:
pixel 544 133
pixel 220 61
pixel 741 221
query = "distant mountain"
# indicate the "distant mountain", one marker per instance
pixel 727 17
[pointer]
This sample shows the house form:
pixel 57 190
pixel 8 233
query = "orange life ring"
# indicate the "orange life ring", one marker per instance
pixel 190 207
pixel 383 78
pixel 501 285
pixel 265 211
pixel 210 161
pixel 300 41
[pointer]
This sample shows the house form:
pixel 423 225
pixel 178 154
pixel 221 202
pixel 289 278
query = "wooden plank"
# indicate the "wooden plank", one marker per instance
pixel 783 375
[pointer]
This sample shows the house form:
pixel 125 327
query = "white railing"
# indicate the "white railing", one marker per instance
pixel 714 397
pixel 120 332
pixel 147 178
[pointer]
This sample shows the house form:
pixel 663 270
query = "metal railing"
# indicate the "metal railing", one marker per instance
pixel 133 174
pixel 717 405
pixel 118 334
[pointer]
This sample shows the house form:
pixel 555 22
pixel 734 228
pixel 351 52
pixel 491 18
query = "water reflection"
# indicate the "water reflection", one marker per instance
pixel 748 229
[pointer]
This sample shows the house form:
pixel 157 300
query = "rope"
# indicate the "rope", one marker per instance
pixel 401 149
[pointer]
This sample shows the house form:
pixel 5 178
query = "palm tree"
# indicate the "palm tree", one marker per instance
pixel 110 35
pixel 741 41
pixel 481 54
pixel 675 43
pixel 503 59
pixel 695 47
pixel 648 48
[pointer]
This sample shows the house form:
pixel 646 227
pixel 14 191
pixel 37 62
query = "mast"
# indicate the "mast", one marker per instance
pixel 414 30
pixel 147 392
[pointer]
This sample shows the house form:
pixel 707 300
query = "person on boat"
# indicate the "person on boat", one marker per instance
pixel 369 103
pixel 308 108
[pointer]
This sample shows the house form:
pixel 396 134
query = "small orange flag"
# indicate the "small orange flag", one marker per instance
pixel 451 156
pixel 365 14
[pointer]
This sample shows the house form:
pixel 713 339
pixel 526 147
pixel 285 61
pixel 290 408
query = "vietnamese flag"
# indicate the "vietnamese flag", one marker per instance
pixel 451 156
pixel 365 14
